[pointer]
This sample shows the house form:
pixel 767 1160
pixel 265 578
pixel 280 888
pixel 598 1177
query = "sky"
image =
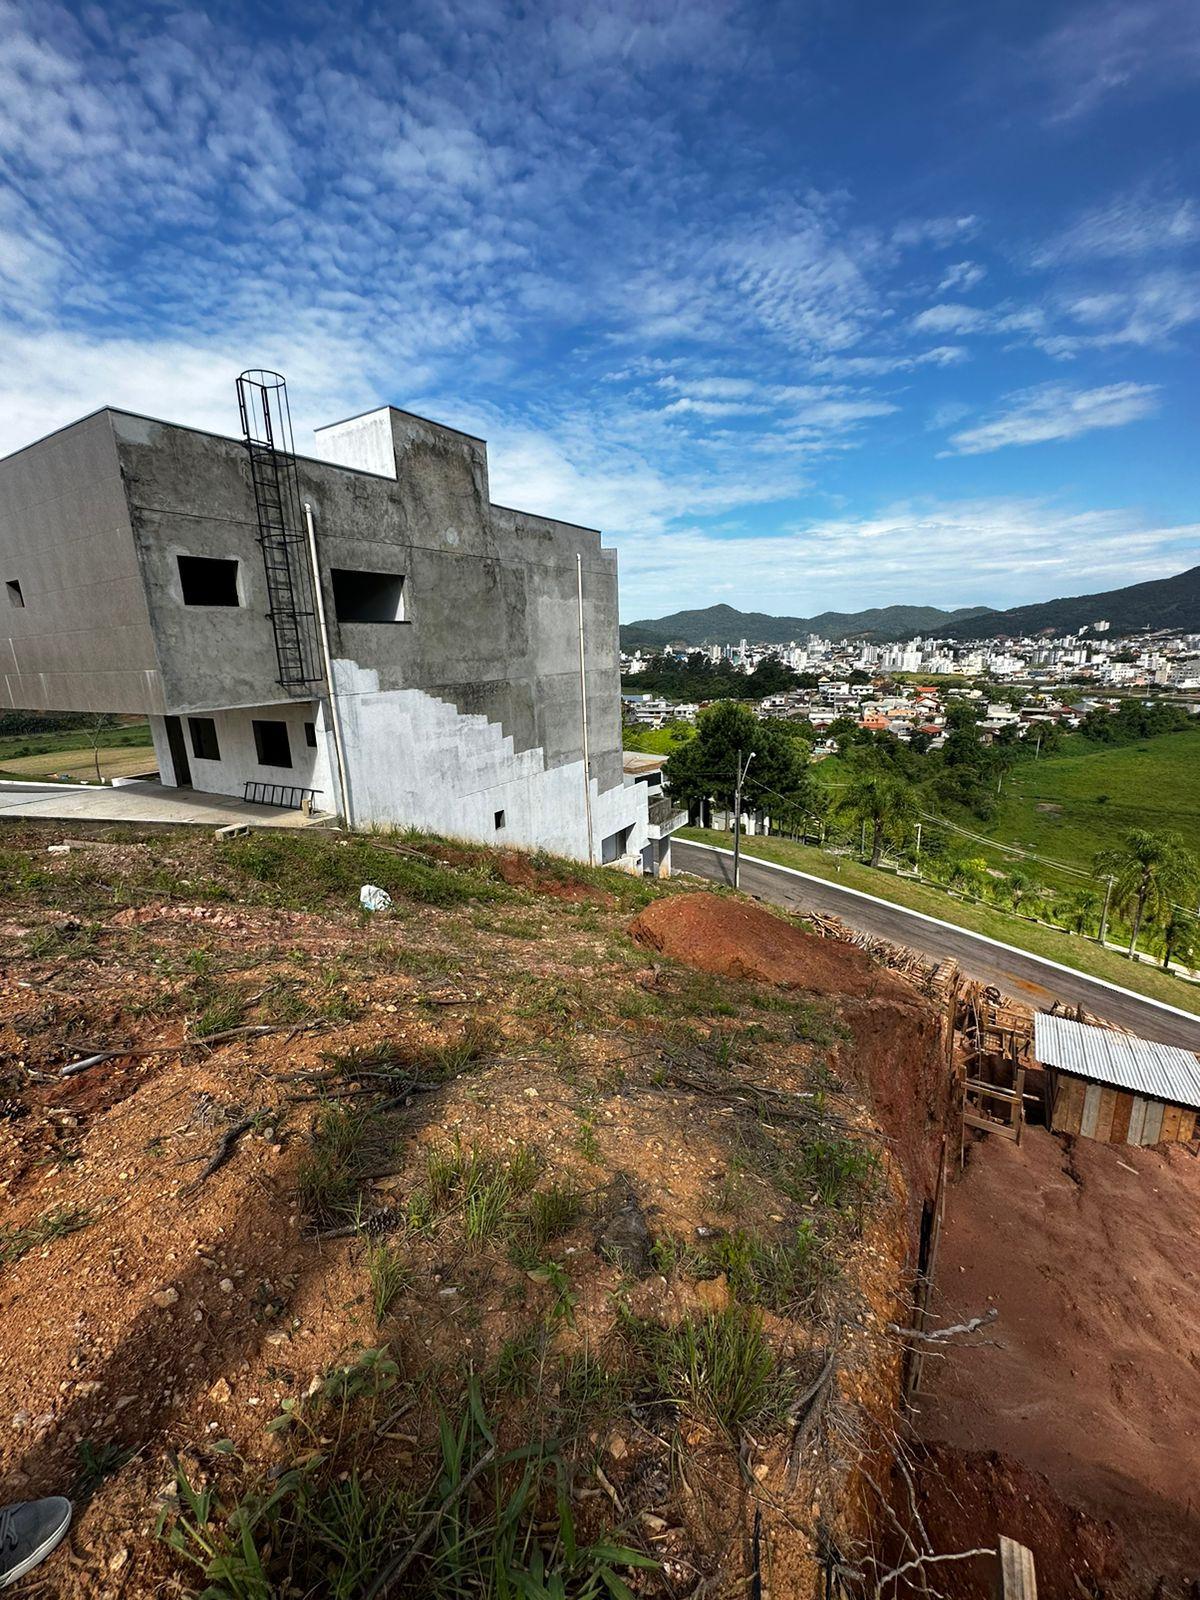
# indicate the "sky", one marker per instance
pixel 819 304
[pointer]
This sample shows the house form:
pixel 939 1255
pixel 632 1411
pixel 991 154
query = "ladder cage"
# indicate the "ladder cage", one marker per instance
pixel 267 434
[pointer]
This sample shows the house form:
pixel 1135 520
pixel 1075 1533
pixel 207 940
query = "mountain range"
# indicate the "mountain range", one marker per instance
pixel 1162 603
pixel 725 625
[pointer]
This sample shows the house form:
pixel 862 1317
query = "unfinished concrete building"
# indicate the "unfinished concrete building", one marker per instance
pixel 397 650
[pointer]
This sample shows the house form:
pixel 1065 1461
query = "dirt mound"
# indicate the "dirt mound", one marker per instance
pixel 743 941
pixel 897 1037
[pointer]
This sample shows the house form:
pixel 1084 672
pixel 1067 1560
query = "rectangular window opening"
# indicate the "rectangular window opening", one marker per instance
pixel 615 846
pixel 208 581
pixel 204 739
pixel 15 597
pixel 271 744
pixel 499 820
pixel 367 596
pixel 310 735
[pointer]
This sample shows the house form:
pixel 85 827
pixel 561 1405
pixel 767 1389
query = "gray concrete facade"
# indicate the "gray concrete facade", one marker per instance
pixel 461 711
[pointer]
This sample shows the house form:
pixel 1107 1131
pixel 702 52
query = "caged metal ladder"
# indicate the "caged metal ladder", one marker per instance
pixel 267 432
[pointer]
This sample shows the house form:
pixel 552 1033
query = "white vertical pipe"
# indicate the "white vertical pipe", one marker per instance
pixel 587 783
pixel 323 629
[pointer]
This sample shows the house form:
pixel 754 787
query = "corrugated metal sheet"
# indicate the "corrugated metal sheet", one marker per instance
pixel 1160 1071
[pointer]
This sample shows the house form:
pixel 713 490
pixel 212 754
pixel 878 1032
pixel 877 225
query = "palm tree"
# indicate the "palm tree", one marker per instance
pixel 1084 910
pixel 1149 871
pixel 881 801
pixel 1179 939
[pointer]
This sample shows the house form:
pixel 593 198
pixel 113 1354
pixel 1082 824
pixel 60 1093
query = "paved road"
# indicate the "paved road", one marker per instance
pixel 1025 977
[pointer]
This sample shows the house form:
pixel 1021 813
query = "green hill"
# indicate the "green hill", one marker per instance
pixel 1162 603
pixel 724 624
pixel 1172 603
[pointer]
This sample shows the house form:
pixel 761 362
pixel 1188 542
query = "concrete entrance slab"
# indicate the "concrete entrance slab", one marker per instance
pixel 142 802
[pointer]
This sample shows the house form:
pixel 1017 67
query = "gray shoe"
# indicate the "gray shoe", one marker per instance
pixel 29 1531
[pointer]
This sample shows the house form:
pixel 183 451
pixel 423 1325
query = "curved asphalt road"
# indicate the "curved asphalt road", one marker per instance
pixel 1027 977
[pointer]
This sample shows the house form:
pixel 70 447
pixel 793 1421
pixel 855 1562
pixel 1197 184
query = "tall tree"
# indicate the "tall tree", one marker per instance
pixel 1149 871
pixel 1178 939
pixel 883 802
pixel 706 767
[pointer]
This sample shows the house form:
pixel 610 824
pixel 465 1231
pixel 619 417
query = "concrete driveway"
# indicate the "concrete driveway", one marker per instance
pixel 140 802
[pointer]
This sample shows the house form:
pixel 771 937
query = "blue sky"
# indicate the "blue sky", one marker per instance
pixel 804 305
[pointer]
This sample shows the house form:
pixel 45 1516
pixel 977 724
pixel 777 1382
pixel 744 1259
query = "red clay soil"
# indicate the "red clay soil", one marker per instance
pixel 899 1035
pixel 738 940
pixel 1093 1376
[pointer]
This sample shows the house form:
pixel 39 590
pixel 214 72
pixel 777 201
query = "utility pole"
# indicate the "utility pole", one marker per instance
pixel 737 814
pixel 918 861
pixel 1108 888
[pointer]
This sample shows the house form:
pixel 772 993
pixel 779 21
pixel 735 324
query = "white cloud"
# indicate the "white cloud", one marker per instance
pixel 998 552
pixel 1149 315
pixel 1116 49
pixel 939 232
pixel 1128 226
pixel 962 277
pixel 950 318
pixel 1054 411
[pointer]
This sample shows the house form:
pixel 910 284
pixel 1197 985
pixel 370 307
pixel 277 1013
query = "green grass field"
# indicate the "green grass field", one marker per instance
pixel 657 741
pixel 1069 806
pixel 996 923
pixel 45 756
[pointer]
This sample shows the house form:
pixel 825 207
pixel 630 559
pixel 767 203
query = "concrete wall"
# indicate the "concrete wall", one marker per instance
pixel 83 640
pixel 310 769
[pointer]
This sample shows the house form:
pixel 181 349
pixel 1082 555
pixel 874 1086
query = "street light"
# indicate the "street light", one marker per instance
pixel 737 814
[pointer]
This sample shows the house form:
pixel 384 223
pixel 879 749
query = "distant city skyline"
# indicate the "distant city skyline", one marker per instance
pixel 806 308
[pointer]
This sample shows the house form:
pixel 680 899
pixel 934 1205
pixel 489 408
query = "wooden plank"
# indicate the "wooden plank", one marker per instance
pixel 1104 1116
pixel 1187 1125
pixel 1170 1124
pixel 1152 1127
pixel 1016 1578
pixel 1091 1110
pixel 1121 1114
pixel 1069 1104
pixel 1078 1095
pixel 1137 1119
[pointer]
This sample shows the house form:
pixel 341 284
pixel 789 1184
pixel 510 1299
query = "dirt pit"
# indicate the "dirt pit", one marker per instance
pixel 1089 1377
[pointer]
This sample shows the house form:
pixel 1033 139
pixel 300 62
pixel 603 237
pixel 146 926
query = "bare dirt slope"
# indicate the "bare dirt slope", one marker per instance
pixel 1094 1375
pixel 476 1193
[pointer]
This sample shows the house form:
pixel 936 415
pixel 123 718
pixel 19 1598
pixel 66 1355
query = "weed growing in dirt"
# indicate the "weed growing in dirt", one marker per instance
pixel 345 1142
pixel 67 942
pixel 517 1368
pixel 783 1276
pixel 304 871
pixel 586 1141
pixel 389 1276
pixel 838 1170
pixel 720 1365
pixel 553 1212
pixel 318 1528
pixel 97 1462
pixel 16 1242
pixel 488 1191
